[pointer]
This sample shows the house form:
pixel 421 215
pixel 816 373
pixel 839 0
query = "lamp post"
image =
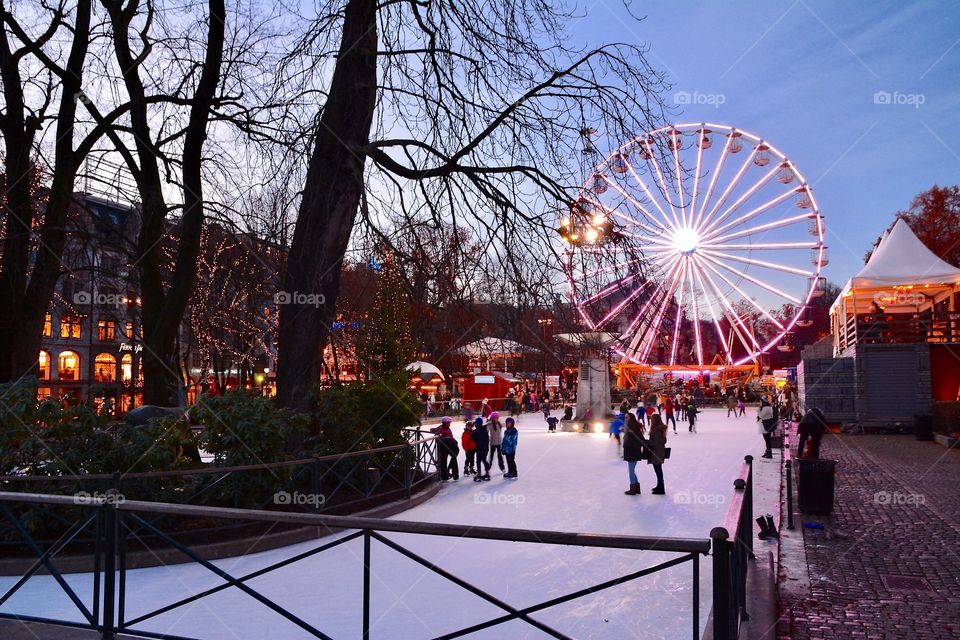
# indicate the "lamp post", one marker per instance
pixel 544 324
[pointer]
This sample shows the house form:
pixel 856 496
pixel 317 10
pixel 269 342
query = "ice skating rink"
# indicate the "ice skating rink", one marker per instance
pixel 567 482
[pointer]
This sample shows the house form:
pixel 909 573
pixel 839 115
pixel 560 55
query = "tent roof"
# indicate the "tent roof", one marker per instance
pixel 494 346
pixel 901 258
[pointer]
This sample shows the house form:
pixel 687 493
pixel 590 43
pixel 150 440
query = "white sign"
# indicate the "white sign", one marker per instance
pixel 553 381
pixel 483 379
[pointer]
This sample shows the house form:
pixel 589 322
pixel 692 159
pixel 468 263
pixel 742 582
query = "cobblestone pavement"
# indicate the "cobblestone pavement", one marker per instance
pixel 897 513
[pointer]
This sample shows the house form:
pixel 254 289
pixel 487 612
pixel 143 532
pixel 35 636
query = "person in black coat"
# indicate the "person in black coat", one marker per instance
pixel 811 428
pixel 633 451
pixel 481 438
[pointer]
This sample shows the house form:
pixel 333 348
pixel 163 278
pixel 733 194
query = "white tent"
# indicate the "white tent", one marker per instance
pixel 903 277
pixel 488 347
pixel 425 369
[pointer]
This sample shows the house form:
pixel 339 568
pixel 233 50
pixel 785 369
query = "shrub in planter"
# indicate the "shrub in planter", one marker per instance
pixel 242 429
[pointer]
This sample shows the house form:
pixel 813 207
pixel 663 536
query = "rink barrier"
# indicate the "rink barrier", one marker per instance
pixel 115 520
pixel 730 558
pixel 346 481
pixel 788 470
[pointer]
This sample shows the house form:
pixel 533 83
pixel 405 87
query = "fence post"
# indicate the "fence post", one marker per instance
pixel 748 505
pixel 366 584
pixel 789 465
pixel 109 570
pixel 721 583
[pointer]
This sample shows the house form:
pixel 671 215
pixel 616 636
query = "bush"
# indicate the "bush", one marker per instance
pixel 357 415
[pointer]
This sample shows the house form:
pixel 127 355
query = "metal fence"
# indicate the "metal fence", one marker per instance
pixel 113 521
pixel 730 556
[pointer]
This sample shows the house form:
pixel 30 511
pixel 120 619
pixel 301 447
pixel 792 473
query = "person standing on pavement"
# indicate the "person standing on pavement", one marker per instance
pixel 767 421
pixel 811 428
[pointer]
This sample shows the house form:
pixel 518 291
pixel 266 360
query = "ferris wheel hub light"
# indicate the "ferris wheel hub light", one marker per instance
pixel 686 240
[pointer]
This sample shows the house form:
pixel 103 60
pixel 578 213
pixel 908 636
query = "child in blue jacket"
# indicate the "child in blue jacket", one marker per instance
pixel 509 448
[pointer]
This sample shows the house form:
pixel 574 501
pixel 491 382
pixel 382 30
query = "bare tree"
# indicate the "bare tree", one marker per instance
pixel 39 86
pixel 453 111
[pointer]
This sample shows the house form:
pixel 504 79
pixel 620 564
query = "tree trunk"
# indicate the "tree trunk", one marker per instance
pixel 331 197
pixel 24 293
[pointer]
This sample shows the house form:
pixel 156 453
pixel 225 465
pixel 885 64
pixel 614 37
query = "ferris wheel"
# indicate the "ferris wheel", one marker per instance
pixel 688 236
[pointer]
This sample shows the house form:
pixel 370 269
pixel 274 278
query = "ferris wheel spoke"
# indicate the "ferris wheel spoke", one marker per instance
pixel 679 174
pixel 652 333
pixel 662 185
pixel 708 260
pixel 747 161
pixel 646 189
pixel 633 295
pixel 609 289
pixel 638 344
pixel 643 313
pixel 713 178
pixel 759 263
pixel 678 320
pixel 736 324
pixel 767 245
pixel 753 213
pixel 716 323
pixel 696 176
pixel 759 184
pixel 696 316
pixel 635 203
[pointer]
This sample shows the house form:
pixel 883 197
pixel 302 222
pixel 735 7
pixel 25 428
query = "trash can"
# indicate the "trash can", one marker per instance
pixel 923 427
pixel 815 478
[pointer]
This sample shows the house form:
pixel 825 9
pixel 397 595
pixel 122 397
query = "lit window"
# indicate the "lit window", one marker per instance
pixel 126 369
pixel 129 331
pixel 48 326
pixel 44 365
pixel 68 366
pixel 106 330
pixel 69 326
pixel 105 368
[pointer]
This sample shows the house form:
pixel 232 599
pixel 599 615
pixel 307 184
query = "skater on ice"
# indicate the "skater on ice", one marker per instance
pixel 481 443
pixel 655 451
pixel 496 438
pixel 509 447
pixel 466 440
pixel 633 452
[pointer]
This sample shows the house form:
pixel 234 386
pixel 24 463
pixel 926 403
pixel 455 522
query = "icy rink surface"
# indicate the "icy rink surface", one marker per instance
pixel 567 482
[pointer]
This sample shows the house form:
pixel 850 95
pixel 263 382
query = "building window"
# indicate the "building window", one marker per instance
pixel 126 369
pixel 106 330
pixel 105 368
pixel 129 331
pixel 68 366
pixel 43 393
pixel 69 326
pixel 48 326
pixel 44 365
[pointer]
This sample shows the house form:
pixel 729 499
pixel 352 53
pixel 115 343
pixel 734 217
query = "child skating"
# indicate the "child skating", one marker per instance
pixel 481 442
pixel 509 448
pixel 466 440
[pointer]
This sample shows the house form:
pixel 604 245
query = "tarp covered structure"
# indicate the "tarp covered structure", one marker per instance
pixel 905 293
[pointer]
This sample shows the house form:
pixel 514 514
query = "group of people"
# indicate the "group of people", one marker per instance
pixel 666 408
pixel 641 445
pixel 481 440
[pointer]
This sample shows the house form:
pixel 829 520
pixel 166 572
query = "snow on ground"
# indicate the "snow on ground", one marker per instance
pixel 568 482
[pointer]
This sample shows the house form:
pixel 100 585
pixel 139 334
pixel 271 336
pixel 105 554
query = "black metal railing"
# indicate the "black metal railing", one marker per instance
pixel 730 558
pixel 788 471
pixel 338 483
pixel 114 520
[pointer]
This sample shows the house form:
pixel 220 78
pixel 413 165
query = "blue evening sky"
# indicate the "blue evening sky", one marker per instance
pixel 804 75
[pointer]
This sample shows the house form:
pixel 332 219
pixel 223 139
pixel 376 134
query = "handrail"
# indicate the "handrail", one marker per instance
pixel 333 457
pixel 647 543
pixel 788 469
pixel 730 557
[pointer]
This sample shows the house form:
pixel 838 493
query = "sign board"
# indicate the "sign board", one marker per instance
pixel 483 379
pixel 553 381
